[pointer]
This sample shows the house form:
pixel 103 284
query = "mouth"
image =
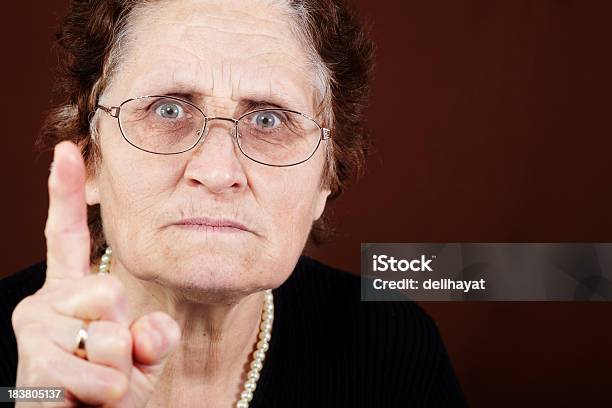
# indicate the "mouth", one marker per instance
pixel 212 225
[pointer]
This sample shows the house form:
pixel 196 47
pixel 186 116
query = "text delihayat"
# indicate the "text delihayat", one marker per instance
pixel 430 284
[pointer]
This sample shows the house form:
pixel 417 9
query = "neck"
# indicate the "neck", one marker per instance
pixel 217 337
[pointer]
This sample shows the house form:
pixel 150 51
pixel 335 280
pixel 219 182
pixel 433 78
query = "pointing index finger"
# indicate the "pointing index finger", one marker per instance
pixel 66 230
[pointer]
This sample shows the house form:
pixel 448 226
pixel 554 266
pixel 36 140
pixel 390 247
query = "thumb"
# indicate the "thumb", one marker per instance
pixel 155 336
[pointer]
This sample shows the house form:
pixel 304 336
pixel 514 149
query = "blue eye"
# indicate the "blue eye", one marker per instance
pixel 267 120
pixel 169 111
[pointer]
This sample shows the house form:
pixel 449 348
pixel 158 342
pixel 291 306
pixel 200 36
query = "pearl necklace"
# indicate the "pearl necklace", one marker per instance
pixel 265 333
pixel 104 267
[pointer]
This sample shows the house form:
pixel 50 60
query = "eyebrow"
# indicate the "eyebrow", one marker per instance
pixel 247 104
pixel 172 86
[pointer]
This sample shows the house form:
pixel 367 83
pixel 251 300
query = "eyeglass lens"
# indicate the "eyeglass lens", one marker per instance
pixel 168 125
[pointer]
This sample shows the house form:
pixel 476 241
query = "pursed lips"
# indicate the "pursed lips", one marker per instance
pixel 214 224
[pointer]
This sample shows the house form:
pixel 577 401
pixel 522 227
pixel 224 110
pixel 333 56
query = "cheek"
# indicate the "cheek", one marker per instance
pixel 286 207
pixel 132 194
pixel 291 199
pixel 289 206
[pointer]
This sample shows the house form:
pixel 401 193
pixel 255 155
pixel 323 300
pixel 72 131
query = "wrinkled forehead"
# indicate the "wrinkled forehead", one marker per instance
pixel 223 49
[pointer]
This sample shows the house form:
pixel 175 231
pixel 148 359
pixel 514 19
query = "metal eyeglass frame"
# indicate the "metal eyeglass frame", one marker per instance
pixel 114 111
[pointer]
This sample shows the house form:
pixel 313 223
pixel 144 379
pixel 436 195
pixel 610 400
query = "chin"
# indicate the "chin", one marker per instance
pixel 217 264
pixel 218 270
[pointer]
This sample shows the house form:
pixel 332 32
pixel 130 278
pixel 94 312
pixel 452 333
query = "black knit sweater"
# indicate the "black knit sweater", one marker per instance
pixel 328 348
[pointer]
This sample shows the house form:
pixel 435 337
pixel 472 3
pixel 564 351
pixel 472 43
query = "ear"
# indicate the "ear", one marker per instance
pixel 92 192
pixel 320 201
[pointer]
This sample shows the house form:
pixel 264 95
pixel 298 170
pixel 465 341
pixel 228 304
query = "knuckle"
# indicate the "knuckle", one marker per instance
pixel 22 312
pixel 54 229
pixel 123 341
pixel 111 289
pixel 18 316
pixel 48 232
pixel 49 228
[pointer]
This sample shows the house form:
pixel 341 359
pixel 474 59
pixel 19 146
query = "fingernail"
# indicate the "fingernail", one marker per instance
pixel 155 338
pixel 53 164
pixel 53 160
pixel 154 334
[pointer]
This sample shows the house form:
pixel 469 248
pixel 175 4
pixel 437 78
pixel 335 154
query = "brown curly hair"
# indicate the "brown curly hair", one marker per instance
pixel 89 44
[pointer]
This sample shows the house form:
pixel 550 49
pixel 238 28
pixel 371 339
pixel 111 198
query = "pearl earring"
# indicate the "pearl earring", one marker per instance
pixel 105 261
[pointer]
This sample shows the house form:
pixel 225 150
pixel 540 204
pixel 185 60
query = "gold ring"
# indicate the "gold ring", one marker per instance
pixel 81 340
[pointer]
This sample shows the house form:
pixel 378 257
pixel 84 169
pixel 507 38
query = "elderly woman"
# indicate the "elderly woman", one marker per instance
pixel 206 137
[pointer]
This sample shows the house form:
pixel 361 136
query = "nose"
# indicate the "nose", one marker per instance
pixel 214 163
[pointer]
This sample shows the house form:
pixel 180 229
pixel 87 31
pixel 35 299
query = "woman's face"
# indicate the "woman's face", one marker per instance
pixel 222 55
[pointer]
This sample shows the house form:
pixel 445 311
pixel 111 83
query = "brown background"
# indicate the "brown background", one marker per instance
pixel 492 123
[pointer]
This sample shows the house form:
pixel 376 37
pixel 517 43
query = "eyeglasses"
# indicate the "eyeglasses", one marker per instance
pixel 161 124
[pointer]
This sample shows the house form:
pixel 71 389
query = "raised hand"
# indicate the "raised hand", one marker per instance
pixel 125 357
